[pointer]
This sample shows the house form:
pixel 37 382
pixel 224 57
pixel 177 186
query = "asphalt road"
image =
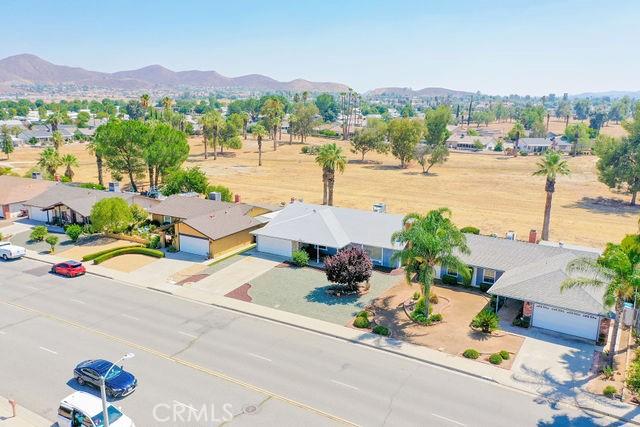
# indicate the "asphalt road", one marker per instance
pixel 201 365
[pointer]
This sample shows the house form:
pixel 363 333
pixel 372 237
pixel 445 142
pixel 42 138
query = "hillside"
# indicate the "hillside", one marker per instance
pixel 408 92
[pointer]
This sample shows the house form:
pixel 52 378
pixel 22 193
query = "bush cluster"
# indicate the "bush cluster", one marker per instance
pixel 495 359
pixel 38 233
pixel 381 330
pixel 471 353
pixel 74 231
pixel 633 373
pixel 300 258
pixel 504 354
pixel 362 320
pixel 486 320
pixel 448 279
pixel 139 250
pixel 311 150
pixel 609 391
pixel 95 255
pixel 470 230
pixel 433 298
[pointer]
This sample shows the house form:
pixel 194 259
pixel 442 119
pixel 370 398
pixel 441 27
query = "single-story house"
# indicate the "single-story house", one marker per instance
pixel 205 227
pixel 44 135
pixel 323 230
pixel 532 274
pixel 62 203
pixel 540 145
pixel 15 191
pixel 463 141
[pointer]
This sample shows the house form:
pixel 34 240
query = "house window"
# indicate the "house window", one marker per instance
pixel 489 276
pixel 374 252
pixel 166 219
pixel 451 271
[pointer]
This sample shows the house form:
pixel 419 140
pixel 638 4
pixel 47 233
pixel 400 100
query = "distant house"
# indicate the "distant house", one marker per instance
pixel 323 230
pixel 15 191
pixel 464 141
pixel 205 227
pixel 540 145
pixel 44 135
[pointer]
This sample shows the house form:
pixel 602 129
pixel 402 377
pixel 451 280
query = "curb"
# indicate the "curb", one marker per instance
pixel 51 263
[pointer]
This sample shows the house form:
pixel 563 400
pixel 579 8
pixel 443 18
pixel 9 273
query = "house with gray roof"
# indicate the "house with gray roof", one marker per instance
pixel 323 230
pixel 540 145
pixel 529 276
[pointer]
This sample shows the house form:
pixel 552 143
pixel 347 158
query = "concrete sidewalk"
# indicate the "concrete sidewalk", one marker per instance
pixel 23 418
pixel 235 275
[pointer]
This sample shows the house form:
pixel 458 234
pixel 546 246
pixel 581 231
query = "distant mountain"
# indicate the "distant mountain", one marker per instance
pixel 31 70
pixel 610 94
pixel 408 92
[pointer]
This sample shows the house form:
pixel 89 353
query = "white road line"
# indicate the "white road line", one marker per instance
pixel 345 385
pixel 185 405
pixel 48 350
pixel 448 419
pixel 257 356
pixel 130 317
pixel 187 335
pixel 76 301
pixel 3 333
pixel 33 288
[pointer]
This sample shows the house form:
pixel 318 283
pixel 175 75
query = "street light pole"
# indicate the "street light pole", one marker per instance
pixel 103 388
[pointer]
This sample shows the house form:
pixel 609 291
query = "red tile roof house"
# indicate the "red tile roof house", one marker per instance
pixel 15 191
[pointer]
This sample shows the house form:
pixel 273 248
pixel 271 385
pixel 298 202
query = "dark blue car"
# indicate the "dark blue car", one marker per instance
pixel 119 383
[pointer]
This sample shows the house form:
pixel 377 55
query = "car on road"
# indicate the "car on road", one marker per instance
pixel 84 409
pixel 11 251
pixel 118 383
pixel 69 268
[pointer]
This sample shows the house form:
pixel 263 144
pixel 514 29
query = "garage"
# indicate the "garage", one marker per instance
pixel 194 245
pixel 568 322
pixel 273 245
pixel 38 214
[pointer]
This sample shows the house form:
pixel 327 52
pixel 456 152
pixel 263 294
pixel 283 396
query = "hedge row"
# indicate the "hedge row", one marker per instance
pixel 124 251
pixel 106 251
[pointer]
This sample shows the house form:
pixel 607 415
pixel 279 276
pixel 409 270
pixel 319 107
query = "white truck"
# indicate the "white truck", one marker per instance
pixel 11 251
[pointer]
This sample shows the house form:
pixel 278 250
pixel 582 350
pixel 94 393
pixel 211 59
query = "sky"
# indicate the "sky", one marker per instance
pixel 500 47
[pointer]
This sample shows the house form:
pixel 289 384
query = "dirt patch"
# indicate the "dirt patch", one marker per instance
pixel 128 263
pixel 453 335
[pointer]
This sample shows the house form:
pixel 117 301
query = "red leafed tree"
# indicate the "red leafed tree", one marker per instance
pixel 349 267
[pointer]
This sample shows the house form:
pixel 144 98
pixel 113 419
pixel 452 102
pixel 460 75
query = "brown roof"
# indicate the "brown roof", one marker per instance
pixel 222 222
pixel 183 207
pixel 14 189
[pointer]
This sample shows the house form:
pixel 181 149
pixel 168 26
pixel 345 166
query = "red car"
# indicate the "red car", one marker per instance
pixel 69 268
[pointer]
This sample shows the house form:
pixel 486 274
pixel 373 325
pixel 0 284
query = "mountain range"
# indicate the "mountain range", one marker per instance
pixel 26 69
pixel 426 92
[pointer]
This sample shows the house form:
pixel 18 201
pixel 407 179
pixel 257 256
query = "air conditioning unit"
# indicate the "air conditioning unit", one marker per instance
pixel 36 175
pixel 215 195
pixel 379 207
pixel 511 235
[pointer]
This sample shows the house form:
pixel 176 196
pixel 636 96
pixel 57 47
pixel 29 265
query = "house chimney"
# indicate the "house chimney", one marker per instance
pixel 293 199
pixel 237 198
pixel 533 236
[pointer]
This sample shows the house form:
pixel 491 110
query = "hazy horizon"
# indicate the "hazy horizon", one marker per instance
pixel 496 47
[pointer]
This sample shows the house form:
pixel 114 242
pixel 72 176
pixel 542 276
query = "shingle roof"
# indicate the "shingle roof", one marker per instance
pixel 222 222
pixel 332 226
pixel 178 206
pixel 14 189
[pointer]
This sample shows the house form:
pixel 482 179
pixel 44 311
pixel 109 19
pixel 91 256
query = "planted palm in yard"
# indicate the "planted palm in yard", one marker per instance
pixel 331 159
pixel 430 240
pixel 550 166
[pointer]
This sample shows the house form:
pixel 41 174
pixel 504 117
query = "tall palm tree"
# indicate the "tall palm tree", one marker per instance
pixel 54 120
pixel 330 158
pixel 212 124
pixel 259 132
pixel 49 161
pixel 430 240
pixel 550 166
pixel 166 104
pixel 69 160
pixel 145 101
pixel 58 140
pixel 204 122
pixel 95 150
pixel 616 271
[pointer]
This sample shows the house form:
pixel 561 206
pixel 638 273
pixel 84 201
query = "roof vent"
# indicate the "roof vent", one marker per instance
pixel 215 195
pixel 114 187
pixel 379 207
pixel 511 235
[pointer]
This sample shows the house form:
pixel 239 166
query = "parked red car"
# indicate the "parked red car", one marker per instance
pixel 69 268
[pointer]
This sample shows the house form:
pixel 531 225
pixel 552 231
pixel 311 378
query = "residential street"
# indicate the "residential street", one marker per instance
pixel 190 356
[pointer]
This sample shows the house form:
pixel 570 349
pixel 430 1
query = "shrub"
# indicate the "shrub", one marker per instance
pixel 349 267
pixel 495 359
pixel 433 298
pixel 499 146
pixel 361 322
pixel 74 231
pixel 486 320
pixel 607 372
pixel 416 295
pixel 124 251
pixel 363 313
pixel 419 307
pixel 172 249
pixel 300 258
pixel 225 192
pixel 111 215
pixel 505 355
pixel 470 230
pixel 419 317
pixel 87 229
pixel 471 353
pixel 38 233
pixel 609 391
pixel 448 279
pixel 311 150
pixel 154 242
pixel 95 255
pixel 52 240
pixel 436 317
pixel 381 330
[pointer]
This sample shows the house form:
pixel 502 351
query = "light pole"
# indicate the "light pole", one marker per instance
pixel 103 388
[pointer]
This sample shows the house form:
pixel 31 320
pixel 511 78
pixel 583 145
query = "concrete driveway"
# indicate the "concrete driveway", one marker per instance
pixel 554 365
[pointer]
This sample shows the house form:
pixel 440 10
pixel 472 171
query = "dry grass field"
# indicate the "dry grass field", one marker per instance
pixel 490 191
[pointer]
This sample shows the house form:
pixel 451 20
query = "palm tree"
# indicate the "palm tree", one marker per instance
pixel 58 140
pixel 259 132
pixel 212 124
pixel 204 122
pixel 550 166
pixel 167 103
pixel 616 271
pixel 273 110
pixel 430 240
pixel 54 120
pixel 69 160
pixel 145 101
pixel 49 161
pixel 95 150
pixel 330 158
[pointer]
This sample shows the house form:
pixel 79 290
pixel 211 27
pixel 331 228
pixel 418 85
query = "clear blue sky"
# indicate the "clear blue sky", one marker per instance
pixel 527 47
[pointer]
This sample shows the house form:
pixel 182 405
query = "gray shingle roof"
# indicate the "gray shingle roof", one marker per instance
pixel 332 226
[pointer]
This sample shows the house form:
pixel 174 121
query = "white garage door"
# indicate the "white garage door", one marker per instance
pixel 37 214
pixel 272 245
pixel 568 322
pixel 194 245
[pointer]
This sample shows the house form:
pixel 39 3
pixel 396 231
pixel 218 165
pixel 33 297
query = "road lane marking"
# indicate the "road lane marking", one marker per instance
pixel 448 419
pixel 48 350
pixel 183 362
pixel 188 335
pixel 345 384
pixel 76 300
pixel 3 333
pixel 33 288
pixel 257 356
pixel 130 317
